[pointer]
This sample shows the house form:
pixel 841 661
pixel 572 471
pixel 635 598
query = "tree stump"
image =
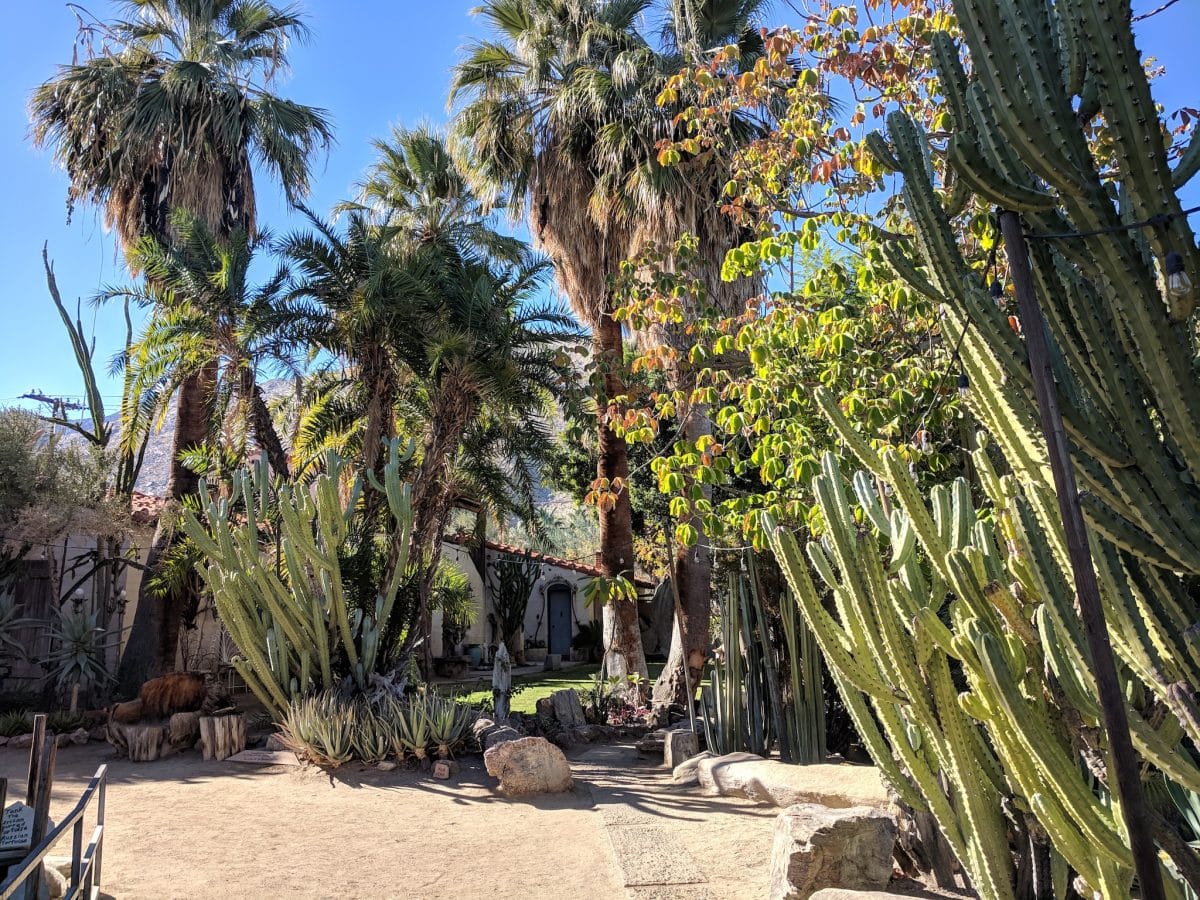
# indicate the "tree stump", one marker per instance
pixel 140 741
pixel 222 736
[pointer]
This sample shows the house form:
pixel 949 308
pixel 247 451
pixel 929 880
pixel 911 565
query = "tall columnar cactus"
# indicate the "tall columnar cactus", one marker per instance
pixel 1055 121
pixel 1123 346
pixel 273 567
pixel 933 596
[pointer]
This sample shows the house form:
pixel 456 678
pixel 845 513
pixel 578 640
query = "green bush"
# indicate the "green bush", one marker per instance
pixel 64 721
pixel 14 722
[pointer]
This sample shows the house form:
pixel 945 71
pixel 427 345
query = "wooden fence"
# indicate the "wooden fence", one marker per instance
pixel 23 878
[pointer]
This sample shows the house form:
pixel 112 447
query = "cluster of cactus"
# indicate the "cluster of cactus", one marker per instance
pixel 954 641
pixel 330 728
pixel 1122 346
pixel 762 695
pixel 273 565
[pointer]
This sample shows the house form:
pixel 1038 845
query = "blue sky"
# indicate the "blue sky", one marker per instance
pixel 371 64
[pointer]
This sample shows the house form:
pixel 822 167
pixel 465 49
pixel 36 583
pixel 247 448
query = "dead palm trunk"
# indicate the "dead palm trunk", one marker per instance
pixel 154 636
pixel 623 653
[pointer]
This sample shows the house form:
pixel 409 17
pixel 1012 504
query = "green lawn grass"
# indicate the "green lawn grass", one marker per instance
pixel 536 685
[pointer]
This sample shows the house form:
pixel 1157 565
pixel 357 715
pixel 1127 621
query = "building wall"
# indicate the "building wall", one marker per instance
pixel 481 631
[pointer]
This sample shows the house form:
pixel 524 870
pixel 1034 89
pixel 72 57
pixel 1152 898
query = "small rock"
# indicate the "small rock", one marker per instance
pixel 386 765
pixel 21 741
pixel 527 766
pixel 687 773
pixel 80 736
pixel 275 742
pixel 54 885
pixel 481 728
pixel 61 740
pixel 818 847
pixel 3 740
pixel 680 746
pixel 98 733
pixel 844 894
pixel 199 745
pixel 501 735
pixel 61 864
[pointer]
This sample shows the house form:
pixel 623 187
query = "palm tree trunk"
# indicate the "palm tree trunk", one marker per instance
pixel 431 499
pixel 154 636
pixel 692 570
pixel 623 652
pixel 265 434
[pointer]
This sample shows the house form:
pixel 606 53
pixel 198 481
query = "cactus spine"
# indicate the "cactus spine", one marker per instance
pixel 287 610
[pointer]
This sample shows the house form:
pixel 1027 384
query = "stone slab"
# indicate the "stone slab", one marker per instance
pixel 652 855
pixel 783 785
pixel 266 758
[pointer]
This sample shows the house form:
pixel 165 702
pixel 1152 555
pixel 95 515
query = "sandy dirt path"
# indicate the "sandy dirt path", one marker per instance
pixel 186 828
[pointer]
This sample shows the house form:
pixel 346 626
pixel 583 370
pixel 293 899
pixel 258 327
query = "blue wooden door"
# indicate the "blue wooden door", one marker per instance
pixel 559 636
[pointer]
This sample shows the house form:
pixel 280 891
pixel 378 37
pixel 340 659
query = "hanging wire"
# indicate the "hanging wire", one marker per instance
pixel 1152 222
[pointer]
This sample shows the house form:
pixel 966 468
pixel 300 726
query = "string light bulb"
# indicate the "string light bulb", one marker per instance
pixel 1178 283
pixel 964 385
pixel 997 291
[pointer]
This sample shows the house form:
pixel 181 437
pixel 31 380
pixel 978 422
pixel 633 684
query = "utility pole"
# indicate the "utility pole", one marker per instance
pixel 1127 781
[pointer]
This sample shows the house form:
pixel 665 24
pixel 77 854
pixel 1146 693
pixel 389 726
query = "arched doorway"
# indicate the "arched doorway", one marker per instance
pixel 558 624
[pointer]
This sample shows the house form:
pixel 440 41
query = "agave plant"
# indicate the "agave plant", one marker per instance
pixel 78 649
pixel 371 737
pixel 449 724
pixel 321 729
pixel 410 729
pixel 14 722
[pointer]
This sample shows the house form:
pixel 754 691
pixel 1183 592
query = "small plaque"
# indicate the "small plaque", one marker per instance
pixel 441 769
pixel 17 830
pixel 266 757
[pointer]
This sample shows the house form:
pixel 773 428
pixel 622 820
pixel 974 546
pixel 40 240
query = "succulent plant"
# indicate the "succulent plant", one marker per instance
pixel 289 615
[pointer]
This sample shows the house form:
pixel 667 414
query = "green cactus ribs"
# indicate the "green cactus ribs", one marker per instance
pixel 272 562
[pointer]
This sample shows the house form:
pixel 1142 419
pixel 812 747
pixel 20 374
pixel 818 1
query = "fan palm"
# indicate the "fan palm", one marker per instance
pixel 535 104
pixel 561 111
pixel 170 112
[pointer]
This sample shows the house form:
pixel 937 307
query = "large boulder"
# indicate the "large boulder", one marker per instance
pixel 568 711
pixel 531 765
pixel 817 847
pixel 781 784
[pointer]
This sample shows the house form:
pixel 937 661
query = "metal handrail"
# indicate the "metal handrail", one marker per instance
pixel 85 861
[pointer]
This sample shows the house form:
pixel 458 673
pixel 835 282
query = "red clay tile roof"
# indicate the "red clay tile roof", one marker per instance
pixel 571 565
pixel 145 508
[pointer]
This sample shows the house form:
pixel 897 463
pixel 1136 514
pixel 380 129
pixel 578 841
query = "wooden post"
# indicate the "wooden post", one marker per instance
pixel 1126 780
pixel 40 786
pixel 222 736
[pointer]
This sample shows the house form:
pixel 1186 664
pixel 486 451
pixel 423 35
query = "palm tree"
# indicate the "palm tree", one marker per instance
pixel 536 103
pixel 170 112
pixel 206 314
pixel 433 311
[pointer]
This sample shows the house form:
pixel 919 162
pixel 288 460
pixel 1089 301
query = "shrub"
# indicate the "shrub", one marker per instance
pixel 330 730
pixel 64 721
pixel 14 722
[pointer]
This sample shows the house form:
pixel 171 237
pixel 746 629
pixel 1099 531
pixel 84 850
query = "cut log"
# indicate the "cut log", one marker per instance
pixel 222 736
pixel 140 741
